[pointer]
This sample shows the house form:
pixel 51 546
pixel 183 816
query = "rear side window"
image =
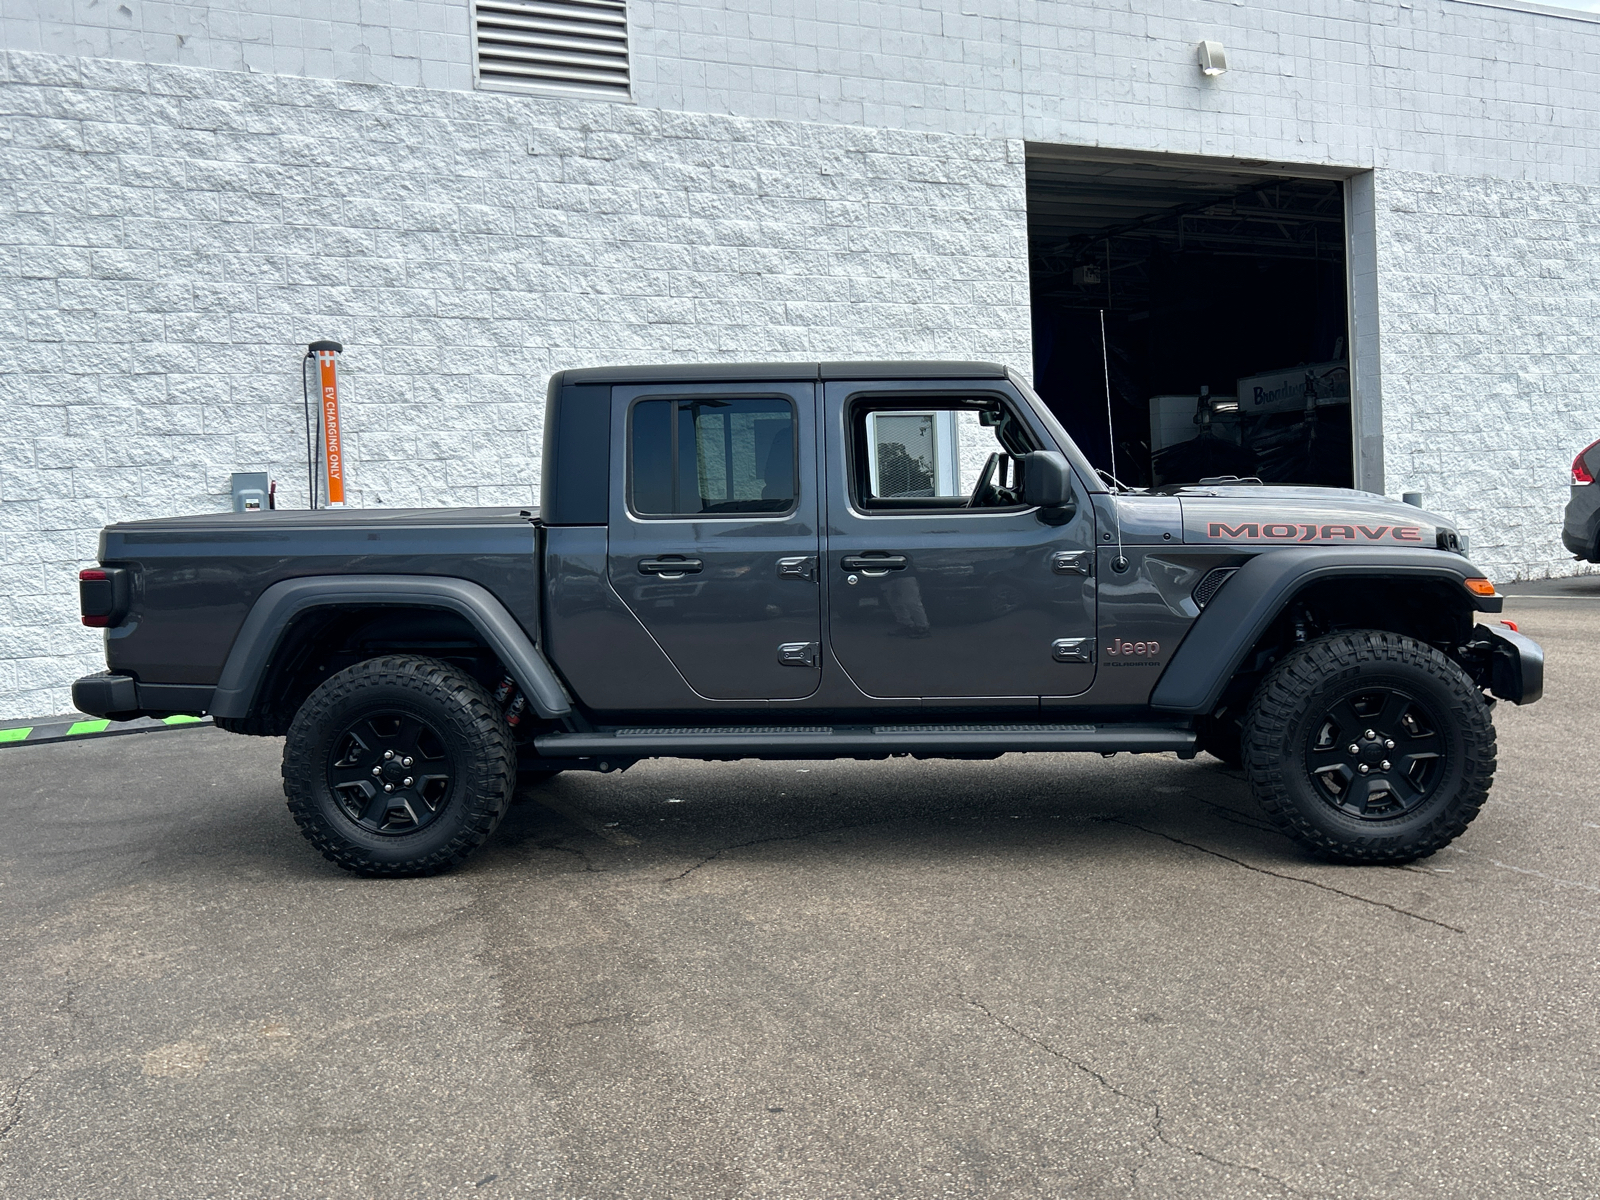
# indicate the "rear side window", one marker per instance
pixel 711 457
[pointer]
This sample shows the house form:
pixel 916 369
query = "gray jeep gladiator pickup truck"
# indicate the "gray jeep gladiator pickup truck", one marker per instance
pixel 819 560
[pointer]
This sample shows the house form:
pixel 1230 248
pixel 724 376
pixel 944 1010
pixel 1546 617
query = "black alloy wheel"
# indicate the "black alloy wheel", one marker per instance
pixel 1369 747
pixel 390 772
pixel 1378 753
pixel 399 765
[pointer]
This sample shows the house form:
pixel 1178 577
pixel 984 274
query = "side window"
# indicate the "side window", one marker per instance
pixel 941 455
pixel 711 457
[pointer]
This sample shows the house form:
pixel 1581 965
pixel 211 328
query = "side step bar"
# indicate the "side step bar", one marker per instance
pixel 858 741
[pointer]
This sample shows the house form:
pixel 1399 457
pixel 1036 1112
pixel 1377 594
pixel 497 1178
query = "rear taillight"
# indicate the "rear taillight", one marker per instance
pixel 1586 464
pixel 102 596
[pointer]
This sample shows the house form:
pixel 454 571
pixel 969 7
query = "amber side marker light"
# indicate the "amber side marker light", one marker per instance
pixel 1479 587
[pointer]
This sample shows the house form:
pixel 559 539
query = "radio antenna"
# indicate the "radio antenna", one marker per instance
pixel 1120 563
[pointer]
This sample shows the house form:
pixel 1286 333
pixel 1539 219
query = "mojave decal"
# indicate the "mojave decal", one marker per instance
pixel 1284 531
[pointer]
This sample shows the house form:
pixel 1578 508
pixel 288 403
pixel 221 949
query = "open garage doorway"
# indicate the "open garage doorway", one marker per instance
pixel 1224 298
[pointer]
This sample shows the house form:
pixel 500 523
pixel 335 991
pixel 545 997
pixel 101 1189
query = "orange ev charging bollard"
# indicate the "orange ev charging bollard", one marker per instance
pixel 321 361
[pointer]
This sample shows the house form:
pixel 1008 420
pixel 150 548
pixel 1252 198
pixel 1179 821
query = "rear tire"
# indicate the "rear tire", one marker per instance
pixel 399 765
pixel 1369 747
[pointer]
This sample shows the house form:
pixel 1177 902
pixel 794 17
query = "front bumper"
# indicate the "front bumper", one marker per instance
pixel 1516 665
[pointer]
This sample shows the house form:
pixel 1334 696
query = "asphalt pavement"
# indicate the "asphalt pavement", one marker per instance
pixel 1045 976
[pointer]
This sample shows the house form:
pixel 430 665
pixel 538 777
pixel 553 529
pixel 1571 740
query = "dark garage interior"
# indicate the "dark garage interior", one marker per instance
pixel 1211 283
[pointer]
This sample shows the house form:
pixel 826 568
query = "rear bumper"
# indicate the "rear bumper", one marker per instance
pixel 1580 546
pixel 1580 526
pixel 122 698
pixel 1516 665
pixel 106 695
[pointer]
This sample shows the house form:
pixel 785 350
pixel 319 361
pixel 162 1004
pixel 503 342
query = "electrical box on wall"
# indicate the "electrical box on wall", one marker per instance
pixel 251 491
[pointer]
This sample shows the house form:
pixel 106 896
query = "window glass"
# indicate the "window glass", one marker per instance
pixel 711 457
pixel 937 456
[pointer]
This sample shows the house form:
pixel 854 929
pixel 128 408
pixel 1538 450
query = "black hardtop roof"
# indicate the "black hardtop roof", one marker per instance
pixel 736 372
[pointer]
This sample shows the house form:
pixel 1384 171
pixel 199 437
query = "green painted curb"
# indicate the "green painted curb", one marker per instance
pixel 40 732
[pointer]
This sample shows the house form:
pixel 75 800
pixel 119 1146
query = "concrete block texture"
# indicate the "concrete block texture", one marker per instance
pixel 174 236
pixel 1442 86
pixel 1490 296
pixel 1445 86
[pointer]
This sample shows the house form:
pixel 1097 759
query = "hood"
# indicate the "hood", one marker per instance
pixel 1259 515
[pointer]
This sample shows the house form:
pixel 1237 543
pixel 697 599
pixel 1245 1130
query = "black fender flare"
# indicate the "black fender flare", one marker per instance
pixel 1250 601
pixel 263 629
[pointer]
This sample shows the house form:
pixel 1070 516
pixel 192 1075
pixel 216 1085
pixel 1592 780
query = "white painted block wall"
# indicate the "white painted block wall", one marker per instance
pixel 175 236
pixel 1490 291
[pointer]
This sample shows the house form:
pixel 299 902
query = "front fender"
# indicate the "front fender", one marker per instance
pixel 1248 603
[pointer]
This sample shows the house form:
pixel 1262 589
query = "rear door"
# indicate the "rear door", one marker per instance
pixel 941 582
pixel 714 533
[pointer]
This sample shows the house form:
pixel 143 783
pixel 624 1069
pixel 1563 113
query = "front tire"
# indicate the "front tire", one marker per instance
pixel 399 765
pixel 1369 747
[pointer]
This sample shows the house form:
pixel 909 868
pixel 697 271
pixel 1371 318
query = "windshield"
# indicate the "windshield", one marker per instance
pixel 1085 470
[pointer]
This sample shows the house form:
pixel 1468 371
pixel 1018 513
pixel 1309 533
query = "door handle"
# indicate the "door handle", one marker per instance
pixel 670 567
pixel 874 564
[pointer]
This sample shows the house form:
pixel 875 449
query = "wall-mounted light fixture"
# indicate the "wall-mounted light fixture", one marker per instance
pixel 1213 58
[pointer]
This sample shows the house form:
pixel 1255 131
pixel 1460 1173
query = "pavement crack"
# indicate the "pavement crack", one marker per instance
pixel 1053 1052
pixel 11 1112
pixel 786 837
pixel 1158 1116
pixel 583 855
pixel 1234 817
pixel 1325 887
pixel 711 858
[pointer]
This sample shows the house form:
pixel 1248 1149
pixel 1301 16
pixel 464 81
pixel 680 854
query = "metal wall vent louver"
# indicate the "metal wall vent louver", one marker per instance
pixel 579 47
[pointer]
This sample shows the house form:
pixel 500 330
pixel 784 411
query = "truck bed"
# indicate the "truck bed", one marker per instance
pixel 195 578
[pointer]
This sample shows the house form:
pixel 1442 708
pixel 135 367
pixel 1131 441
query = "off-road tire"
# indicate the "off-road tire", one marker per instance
pixel 1305 688
pixel 468 725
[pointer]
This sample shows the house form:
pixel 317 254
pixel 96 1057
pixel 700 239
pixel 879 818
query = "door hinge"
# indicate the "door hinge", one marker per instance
pixel 800 654
pixel 1073 650
pixel 802 566
pixel 1070 562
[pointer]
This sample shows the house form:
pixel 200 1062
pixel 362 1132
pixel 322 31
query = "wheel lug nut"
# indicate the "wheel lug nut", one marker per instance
pixel 1371 734
pixel 1354 749
pixel 1384 765
pixel 388 754
pixel 1364 770
pixel 406 782
pixel 389 787
pixel 377 770
pixel 406 762
pixel 1389 745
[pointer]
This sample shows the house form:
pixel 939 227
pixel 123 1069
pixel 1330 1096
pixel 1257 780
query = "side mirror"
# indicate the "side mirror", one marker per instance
pixel 1047 484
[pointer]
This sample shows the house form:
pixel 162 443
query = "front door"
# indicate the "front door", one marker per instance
pixel 713 539
pixel 941 581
